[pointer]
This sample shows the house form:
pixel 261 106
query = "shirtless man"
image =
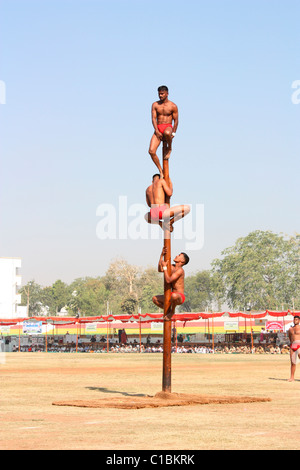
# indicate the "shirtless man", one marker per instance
pixel 294 336
pixel 160 212
pixel 164 112
pixel 176 280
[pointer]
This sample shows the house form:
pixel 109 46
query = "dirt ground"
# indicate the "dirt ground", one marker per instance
pixel 32 382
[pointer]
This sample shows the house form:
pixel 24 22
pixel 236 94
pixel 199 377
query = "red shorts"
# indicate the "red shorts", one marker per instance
pixel 182 296
pixel 295 346
pixel 163 127
pixel 156 212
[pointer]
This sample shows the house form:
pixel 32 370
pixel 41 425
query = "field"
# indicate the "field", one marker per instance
pixel 32 382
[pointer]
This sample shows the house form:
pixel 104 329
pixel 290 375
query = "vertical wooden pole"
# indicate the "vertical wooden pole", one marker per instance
pixel 107 339
pixel 208 332
pixel 166 382
pixel 77 336
pixel 213 334
pixel 252 345
pixel 140 331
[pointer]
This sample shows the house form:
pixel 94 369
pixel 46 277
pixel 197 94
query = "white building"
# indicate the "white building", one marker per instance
pixel 10 282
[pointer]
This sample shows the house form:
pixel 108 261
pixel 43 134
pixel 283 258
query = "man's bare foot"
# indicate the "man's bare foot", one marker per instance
pixel 291 380
pixel 167 226
pixel 169 315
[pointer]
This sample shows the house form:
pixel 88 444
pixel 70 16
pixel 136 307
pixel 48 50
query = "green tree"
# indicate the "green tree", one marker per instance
pixel 121 282
pixel 218 289
pixel 88 296
pixel 149 283
pixel 31 295
pixel 198 290
pixel 59 294
pixel 47 300
pixel 260 270
pixel 129 305
pixel 122 276
pixel 293 287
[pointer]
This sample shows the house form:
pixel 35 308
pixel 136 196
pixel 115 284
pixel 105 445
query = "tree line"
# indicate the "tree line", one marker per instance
pixel 261 271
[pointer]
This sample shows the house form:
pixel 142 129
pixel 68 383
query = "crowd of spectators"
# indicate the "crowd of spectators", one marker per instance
pixel 239 344
pixel 158 348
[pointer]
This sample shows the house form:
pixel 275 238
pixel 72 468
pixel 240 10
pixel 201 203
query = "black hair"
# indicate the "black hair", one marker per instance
pixel 186 258
pixel 156 174
pixel 296 316
pixel 163 88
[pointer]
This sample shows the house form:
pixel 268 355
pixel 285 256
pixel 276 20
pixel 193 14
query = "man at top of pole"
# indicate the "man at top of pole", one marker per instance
pixel 165 123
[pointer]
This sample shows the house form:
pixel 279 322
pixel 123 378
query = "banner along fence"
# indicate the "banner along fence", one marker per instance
pixel 213 323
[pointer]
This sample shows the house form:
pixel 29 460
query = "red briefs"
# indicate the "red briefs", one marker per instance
pixel 182 296
pixel 163 127
pixel 295 347
pixel 156 212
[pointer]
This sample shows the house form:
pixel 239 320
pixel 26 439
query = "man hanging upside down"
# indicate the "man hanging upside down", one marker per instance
pixel 160 212
pixel 176 280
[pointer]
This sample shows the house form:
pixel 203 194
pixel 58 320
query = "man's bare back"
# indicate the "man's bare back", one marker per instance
pixel 160 210
pixel 156 192
pixel 178 283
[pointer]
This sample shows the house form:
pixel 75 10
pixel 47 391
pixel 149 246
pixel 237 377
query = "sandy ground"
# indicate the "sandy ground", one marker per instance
pixel 32 382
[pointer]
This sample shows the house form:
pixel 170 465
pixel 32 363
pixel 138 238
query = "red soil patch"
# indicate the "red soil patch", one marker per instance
pixel 161 399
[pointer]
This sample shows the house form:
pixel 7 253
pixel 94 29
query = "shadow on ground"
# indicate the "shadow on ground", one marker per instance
pixel 125 394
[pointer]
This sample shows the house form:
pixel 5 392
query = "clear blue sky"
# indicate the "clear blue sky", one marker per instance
pixel 80 78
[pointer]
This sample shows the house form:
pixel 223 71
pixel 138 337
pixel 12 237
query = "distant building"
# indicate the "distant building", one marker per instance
pixel 10 282
pixel 63 312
